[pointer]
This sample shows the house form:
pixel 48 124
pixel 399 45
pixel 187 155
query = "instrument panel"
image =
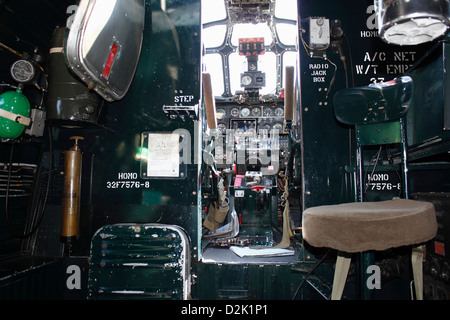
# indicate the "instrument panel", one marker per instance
pixel 260 124
pixel 234 116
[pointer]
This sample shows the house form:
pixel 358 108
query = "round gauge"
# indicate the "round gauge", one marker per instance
pixel 256 112
pixel 278 126
pixel 222 127
pixel 279 112
pixel 22 71
pixel 268 112
pixel 245 112
pixel 234 112
pixel 246 80
pixel 220 113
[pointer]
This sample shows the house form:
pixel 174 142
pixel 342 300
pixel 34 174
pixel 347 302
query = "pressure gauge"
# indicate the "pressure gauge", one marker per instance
pixel 256 112
pixel 234 112
pixel 222 127
pixel 245 112
pixel 220 113
pixel 22 71
pixel 246 80
pixel 268 112
pixel 279 112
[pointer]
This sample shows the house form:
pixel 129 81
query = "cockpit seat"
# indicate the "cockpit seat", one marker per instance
pixel 377 112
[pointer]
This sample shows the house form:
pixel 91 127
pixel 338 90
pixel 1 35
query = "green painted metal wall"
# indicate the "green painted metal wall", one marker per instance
pixel 169 66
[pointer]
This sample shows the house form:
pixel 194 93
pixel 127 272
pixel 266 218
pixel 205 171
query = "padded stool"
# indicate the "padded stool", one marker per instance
pixel 365 226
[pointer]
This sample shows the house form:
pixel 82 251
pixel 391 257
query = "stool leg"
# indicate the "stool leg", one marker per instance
pixel 340 275
pixel 417 268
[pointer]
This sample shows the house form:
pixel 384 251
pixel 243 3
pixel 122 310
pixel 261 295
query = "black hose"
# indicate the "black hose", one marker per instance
pixel 36 226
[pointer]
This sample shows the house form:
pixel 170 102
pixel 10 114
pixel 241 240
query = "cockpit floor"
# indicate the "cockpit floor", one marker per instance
pixel 227 256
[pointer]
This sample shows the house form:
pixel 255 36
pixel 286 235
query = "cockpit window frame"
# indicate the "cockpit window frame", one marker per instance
pixel 226 48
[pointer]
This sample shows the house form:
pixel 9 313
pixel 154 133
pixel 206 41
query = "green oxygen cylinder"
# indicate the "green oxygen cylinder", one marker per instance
pixel 14 108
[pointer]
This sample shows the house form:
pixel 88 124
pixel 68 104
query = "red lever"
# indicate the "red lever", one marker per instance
pixel 258 188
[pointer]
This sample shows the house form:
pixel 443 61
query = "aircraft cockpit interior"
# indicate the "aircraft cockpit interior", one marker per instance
pixel 249 68
pixel 198 150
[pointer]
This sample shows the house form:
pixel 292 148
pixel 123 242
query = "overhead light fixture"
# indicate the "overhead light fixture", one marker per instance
pixel 412 22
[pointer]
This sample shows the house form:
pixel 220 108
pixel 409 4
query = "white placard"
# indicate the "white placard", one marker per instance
pixel 163 158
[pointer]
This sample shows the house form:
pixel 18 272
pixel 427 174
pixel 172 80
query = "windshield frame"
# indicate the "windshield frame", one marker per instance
pixel 227 48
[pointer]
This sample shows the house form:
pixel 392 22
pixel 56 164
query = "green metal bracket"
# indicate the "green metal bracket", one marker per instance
pixel 379 133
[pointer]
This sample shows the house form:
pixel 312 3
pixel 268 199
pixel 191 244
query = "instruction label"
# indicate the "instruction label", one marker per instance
pixel 318 71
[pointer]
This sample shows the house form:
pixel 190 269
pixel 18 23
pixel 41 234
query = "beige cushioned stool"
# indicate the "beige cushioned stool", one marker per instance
pixel 365 226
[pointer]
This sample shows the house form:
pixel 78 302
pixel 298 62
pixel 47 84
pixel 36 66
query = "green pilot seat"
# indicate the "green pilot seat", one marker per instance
pixel 377 112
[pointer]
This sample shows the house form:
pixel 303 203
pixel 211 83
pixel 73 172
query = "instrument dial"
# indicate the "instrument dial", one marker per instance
pixel 245 112
pixel 268 112
pixel 220 113
pixel 22 71
pixel 234 112
pixel 256 112
pixel 246 80
pixel 279 112
pixel 221 127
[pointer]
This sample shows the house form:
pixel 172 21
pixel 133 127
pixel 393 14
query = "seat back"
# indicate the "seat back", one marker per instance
pixel 378 113
pixel 375 103
pixel 139 261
